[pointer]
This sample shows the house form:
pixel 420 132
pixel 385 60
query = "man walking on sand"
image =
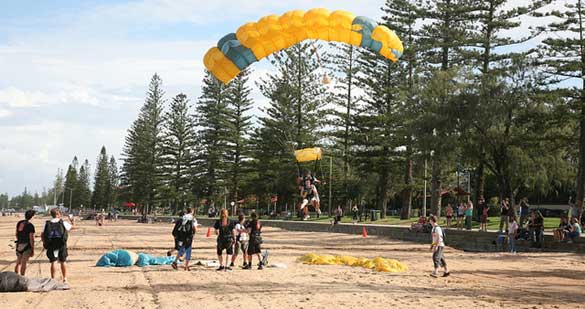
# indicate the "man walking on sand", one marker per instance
pixel 54 236
pixel 438 246
pixel 183 232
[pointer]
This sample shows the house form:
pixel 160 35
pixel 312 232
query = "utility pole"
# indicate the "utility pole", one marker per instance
pixel 330 181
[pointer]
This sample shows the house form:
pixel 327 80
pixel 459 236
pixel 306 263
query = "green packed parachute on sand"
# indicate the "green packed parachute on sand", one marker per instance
pixel 379 263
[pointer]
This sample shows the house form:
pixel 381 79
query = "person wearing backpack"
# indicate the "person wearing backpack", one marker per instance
pixel 225 229
pixel 54 236
pixel 438 246
pixel 254 246
pixel 183 232
pixel 25 242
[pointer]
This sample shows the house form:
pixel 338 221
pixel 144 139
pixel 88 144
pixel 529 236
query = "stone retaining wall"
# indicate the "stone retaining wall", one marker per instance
pixel 464 240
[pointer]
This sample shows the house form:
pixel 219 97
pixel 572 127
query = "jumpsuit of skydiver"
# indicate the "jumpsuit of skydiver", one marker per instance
pixel 309 195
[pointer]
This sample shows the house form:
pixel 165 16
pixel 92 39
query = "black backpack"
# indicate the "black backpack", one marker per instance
pixel 55 235
pixel 184 231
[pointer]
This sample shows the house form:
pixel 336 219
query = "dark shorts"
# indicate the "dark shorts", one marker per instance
pixel 460 215
pixel 226 245
pixel 449 217
pixel 61 255
pixel 24 250
pixel 483 219
pixel 254 247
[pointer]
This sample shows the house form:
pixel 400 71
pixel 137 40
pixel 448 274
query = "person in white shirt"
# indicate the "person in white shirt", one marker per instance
pixel 512 232
pixel 438 246
pixel 54 237
pixel 241 241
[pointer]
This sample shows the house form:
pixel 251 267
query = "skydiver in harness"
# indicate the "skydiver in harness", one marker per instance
pixel 309 194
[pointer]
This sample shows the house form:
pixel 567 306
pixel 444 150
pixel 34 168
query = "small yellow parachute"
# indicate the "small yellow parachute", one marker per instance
pixel 256 40
pixel 308 154
pixel 378 264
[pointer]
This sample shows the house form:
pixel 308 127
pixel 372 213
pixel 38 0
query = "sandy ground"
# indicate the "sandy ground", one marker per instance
pixel 487 280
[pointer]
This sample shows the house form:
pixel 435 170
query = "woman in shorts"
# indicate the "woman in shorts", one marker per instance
pixel 460 215
pixel 449 214
pixel 241 241
pixel 484 216
pixel 225 229
pixel 254 246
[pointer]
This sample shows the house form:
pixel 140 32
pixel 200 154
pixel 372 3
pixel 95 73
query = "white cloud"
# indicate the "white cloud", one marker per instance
pixel 31 154
pixel 5 113
pixel 219 11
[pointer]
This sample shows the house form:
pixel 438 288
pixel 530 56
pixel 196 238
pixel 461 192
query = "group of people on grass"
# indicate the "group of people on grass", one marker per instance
pixel 568 230
pixel 54 237
pixel 464 215
pixel 233 237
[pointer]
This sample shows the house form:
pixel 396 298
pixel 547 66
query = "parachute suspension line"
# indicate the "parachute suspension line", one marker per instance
pixel 326 80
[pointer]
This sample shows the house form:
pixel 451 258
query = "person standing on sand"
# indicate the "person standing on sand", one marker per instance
pixel 183 232
pixel 254 247
pixel 25 242
pixel 438 246
pixel 241 241
pixel 225 229
pixel 54 236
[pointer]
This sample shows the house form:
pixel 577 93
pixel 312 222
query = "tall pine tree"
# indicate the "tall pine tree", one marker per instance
pixel 211 111
pixel 142 153
pixel 237 140
pixel 101 181
pixel 178 150
pixel 563 58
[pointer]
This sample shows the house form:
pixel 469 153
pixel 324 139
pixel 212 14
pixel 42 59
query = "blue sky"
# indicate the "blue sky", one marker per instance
pixel 74 73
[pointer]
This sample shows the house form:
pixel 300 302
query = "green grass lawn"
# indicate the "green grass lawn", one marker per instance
pixel 493 222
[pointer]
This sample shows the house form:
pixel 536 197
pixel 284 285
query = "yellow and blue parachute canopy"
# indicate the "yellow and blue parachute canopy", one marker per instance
pixel 256 40
pixel 308 154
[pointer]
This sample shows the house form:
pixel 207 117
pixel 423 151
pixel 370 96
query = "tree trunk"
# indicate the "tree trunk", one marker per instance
pixel 383 190
pixel 407 192
pixel 479 189
pixel 580 190
pixel 435 188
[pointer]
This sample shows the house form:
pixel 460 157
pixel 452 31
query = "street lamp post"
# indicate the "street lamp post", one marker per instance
pixel 424 208
pixel 330 181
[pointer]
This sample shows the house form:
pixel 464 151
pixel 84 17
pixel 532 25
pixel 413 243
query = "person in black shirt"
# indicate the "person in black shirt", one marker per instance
pixel 254 245
pixel 225 229
pixel 25 242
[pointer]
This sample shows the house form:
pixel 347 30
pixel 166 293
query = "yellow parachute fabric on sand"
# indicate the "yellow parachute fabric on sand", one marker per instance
pixel 308 154
pixel 256 40
pixel 378 264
